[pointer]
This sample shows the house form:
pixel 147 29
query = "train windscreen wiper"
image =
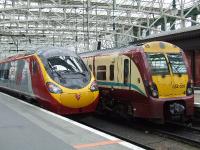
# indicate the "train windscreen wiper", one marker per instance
pixel 54 70
pixel 78 72
pixel 75 72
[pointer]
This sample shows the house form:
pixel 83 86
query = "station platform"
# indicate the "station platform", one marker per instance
pixel 197 98
pixel 27 127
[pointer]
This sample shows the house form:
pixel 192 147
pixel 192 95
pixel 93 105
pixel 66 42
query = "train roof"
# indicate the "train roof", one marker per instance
pixel 154 46
pixel 44 52
pixel 110 51
pixel 55 51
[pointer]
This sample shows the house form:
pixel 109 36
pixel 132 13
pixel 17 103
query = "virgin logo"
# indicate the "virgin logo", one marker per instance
pixel 78 96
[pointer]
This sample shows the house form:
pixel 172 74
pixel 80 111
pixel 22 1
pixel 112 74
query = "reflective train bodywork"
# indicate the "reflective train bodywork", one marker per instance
pixel 56 77
pixel 150 80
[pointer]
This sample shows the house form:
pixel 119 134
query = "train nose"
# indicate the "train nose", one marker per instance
pixel 77 99
pixel 176 109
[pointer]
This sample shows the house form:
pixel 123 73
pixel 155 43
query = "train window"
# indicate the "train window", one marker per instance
pixel 19 70
pixel 177 63
pixel 6 70
pixel 68 71
pixel 111 72
pixel 126 70
pixel 67 64
pixel 1 71
pixel 90 66
pixel 12 71
pixel 158 63
pixel 101 72
pixel 34 66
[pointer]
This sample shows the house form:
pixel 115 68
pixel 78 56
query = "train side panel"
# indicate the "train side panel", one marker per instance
pixel 15 75
pixel 123 89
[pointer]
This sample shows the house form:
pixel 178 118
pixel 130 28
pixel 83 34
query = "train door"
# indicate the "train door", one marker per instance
pixel 127 72
pixel 124 71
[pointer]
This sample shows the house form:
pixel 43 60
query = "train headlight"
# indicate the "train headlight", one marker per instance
pixel 190 88
pixel 153 90
pixel 189 91
pixel 53 88
pixel 155 93
pixel 94 86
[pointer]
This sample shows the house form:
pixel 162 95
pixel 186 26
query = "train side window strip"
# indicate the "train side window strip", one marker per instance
pixel 2 71
pixel 111 72
pixel 6 71
pixel 101 72
pixel 126 70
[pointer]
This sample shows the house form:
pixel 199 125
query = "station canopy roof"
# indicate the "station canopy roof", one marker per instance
pixel 89 24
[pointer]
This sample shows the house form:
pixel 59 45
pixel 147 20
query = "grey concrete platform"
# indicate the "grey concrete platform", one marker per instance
pixel 27 127
pixel 197 98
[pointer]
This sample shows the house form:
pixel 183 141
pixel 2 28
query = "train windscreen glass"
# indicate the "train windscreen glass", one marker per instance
pixel 68 71
pixel 158 63
pixel 177 63
pixel 67 64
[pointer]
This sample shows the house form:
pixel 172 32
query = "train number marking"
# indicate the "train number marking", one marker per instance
pixel 174 86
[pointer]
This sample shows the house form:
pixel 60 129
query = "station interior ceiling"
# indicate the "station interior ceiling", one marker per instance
pixel 86 25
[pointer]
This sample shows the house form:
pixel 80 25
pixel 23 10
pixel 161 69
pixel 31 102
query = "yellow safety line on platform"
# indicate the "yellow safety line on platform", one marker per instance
pixel 108 142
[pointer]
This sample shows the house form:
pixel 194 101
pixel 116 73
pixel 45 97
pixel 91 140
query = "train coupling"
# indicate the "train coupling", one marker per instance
pixel 176 109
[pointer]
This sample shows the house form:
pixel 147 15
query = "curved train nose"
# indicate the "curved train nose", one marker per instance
pixel 78 99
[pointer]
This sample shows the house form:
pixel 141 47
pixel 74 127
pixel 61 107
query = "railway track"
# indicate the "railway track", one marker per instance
pixel 189 135
pixel 174 132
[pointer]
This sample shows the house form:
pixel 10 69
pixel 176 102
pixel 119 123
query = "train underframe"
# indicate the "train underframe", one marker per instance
pixel 160 110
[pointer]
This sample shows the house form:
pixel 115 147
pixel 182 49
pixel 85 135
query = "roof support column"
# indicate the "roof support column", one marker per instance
pixel 114 25
pixel 135 33
pixel 76 28
pixel 164 26
pixel 28 3
pixel 182 14
pixel 139 32
pixel 88 17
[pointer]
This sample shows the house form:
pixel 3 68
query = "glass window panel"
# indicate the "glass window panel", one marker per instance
pixel 177 63
pixel 111 72
pixel 158 63
pixel 101 72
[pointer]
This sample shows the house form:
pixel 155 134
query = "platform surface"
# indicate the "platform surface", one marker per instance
pixel 27 127
pixel 197 98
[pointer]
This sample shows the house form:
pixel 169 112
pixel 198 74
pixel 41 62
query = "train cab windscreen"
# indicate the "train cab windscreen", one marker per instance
pixel 169 73
pixel 68 71
pixel 158 64
pixel 177 63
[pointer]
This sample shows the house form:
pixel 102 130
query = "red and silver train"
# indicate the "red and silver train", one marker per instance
pixel 150 80
pixel 56 77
